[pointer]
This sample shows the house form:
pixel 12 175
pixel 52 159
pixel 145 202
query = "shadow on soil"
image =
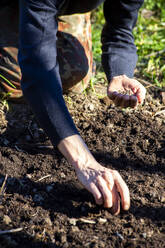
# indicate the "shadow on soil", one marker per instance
pixel 69 198
pixel 22 239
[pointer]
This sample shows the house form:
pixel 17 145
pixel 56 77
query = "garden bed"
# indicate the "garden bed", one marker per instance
pixel 43 197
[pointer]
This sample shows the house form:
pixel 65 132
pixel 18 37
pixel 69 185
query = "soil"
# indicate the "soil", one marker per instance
pixel 42 196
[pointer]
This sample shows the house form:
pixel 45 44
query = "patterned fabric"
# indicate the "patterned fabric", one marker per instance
pixel 8 51
pixel 74 48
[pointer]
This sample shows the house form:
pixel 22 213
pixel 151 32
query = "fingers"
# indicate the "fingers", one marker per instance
pixel 112 95
pixel 96 193
pixel 115 196
pixel 123 83
pixel 141 93
pixel 107 195
pixel 132 101
pixel 137 88
pixel 108 189
pixel 123 190
pixel 124 101
pixel 116 200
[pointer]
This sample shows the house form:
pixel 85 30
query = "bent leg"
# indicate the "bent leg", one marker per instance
pixel 74 48
pixel 10 74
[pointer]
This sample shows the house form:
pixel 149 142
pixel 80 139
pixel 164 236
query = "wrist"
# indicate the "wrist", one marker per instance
pixel 75 151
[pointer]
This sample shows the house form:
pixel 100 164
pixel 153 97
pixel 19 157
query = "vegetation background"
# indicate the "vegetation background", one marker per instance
pixel 149 34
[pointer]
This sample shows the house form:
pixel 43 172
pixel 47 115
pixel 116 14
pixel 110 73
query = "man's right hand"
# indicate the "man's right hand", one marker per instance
pixel 106 185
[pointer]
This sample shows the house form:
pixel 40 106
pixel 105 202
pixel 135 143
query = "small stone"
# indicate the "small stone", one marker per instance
pixel 102 221
pixel 6 219
pixel 29 176
pixel 144 235
pixel 73 221
pixel 62 175
pixel 150 233
pixel 91 107
pixel 143 200
pixel 154 194
pixel 142 221
pixel 110 125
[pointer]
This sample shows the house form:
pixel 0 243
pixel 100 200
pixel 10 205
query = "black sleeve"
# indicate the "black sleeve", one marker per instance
pixel 118 49
pixel 41 83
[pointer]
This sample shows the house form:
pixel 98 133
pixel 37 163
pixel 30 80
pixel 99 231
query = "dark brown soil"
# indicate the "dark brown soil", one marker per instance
pixel 44 198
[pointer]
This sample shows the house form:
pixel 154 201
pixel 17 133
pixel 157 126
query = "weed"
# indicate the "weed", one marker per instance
pixel 7 81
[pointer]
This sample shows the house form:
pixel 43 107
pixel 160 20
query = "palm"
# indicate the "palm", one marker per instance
pixel 126 92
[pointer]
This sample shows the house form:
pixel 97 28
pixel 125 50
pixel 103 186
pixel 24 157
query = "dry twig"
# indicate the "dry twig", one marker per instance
pixel 3 188
pixel 11 231
pixel 87 221
pixel 40 179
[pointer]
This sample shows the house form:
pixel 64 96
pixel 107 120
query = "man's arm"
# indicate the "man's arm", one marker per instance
pixel 41 85
pixel 119 55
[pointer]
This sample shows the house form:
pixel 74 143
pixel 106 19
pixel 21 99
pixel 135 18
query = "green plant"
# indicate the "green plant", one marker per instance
pixel 7 81
pixel 149 36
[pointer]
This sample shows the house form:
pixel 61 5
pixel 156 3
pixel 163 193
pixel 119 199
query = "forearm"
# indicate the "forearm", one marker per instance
pixel 75 151
pixel 118 49
pixel 41 83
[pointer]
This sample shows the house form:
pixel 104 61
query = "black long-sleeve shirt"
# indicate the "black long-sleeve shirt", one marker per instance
pixel 41 81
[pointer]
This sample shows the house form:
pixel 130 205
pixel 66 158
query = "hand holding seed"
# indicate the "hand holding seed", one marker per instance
pixel 126 92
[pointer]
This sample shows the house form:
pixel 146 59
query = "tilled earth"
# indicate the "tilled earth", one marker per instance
pixel 42 200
